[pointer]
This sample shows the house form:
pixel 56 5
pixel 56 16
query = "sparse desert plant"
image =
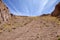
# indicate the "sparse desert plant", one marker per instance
pixel 58 38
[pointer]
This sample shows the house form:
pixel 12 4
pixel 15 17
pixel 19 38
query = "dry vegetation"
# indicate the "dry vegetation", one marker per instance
pixel 18 21
pixel 42 22
pixel 44 27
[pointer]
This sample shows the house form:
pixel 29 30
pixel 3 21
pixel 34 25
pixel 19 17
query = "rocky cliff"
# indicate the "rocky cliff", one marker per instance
pixel 43 27
pixel 4 12
pixel 56 12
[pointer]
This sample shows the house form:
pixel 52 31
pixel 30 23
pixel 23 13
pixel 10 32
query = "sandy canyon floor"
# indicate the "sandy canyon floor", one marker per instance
pixel 31 28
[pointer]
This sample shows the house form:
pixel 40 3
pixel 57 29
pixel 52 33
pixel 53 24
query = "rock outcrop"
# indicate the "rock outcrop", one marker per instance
pixel 4 12
pixel 56 12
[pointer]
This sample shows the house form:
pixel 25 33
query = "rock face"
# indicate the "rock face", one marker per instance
pixel 4 12
pixel 56 12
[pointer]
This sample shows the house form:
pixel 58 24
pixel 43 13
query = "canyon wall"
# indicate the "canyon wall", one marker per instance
pixel 4 12
pixel 56 12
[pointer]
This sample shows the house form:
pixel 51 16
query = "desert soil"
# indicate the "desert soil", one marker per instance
pixel 31 28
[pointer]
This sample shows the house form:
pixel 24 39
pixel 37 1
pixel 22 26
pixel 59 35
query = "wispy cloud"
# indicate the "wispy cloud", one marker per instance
pixel 31 7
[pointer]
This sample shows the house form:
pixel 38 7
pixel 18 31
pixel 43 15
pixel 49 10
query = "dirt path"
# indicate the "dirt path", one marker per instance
pixel 35 30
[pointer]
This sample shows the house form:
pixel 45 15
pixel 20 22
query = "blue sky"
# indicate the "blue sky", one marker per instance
pixel 31 7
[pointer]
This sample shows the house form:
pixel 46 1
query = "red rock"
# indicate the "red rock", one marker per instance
pixel 56 12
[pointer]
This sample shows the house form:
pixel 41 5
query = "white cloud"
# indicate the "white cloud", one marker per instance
pixel 31 7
